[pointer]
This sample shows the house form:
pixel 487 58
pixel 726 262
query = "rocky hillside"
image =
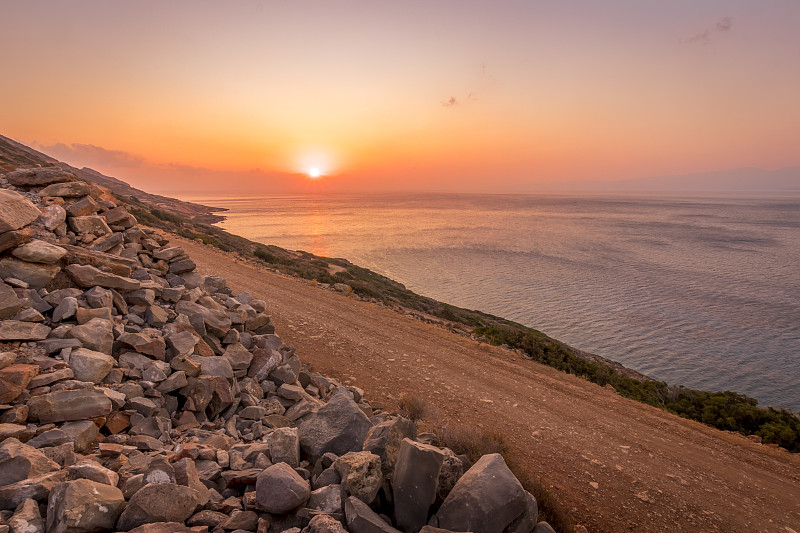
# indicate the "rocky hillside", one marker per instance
pixel 138 395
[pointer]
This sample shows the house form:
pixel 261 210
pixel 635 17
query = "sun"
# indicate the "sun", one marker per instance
pixel 314 173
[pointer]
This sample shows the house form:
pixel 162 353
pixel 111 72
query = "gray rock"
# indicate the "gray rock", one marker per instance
pixel 83 505
pixel 284 446
pixel 52 216
pixel 361 474
pixel 238 356
pixel 214 366
pixel 159 502
pixel 97 335
pixel 65 309
pixel 71 189
pixel 106 242
pixel 451 471
pixel 82 207
pixel 16 211
pixel 82 434
pixel 37 251
pixel 68 405
pixel 89 276
pixel 327 499
pixel 338 427
pixel 361 519
pixel 19 461
pixel 36 275
pixel 182 267
pixel 526 522
pixel 487 498
pixel 119 216
pixel 16 330
pixel 415 483
pixel 543 527
pixel 98 297
pixel 279 489
pixel 384 440
pixel 91 224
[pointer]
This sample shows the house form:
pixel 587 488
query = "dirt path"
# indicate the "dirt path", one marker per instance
pixel 615 464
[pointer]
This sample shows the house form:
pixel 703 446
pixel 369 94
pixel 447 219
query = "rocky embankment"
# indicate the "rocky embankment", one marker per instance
pixel 138 395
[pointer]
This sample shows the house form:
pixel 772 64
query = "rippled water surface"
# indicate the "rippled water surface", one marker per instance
pixel 700 292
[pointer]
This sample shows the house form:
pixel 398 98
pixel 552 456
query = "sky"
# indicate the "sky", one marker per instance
pixel 462 96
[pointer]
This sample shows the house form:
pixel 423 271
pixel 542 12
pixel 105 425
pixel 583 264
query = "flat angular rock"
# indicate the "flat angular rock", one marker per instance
pixel 414 483
pixel 38 177
pixel 279 489
pixel 91 224
pixel 14 379
pixel 338 427
pixel 82 434
pixel 68 405
pixel 322 523
pixel 186 474
pixel 97 334
pixel 164 527
pixel 89 276
pixel 151 345
pixel 159 502
pixel 27 518
pixel 119 216
pixel 83 505
pixel 361 519
pixel 36 275
pixel 35 488
pixel 214 366
pixel 71 189
pixel 106 242
pixel 182 267
pixel 361 474
pixel 238 356
pixel 37 251
pixel 9 303
pixel 65 309
pixel 327 499
pixel 84 206
pixel 19 461
pixel 15 330
pixel 487 498
pixel 93 472
pixel 121 266
pixel 15 211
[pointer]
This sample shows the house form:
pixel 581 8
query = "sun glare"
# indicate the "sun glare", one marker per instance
pixel 314 172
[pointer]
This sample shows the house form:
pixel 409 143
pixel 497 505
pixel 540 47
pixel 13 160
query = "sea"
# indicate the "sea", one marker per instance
pixel 697 291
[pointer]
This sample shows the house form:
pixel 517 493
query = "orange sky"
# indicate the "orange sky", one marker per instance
pixel 455 96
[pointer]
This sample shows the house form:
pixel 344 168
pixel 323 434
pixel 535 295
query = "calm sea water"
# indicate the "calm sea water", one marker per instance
pixel 699 292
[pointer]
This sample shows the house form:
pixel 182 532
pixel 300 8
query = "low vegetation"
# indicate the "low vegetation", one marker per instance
pixel 724 410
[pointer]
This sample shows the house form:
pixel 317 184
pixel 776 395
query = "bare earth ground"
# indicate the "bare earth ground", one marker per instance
pixel 615 464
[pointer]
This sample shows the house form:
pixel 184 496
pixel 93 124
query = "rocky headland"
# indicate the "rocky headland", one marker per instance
pixel 138 395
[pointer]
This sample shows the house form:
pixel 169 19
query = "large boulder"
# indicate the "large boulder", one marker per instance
pixel 414 483
pixel 16 330
pixel 279 489
pixel 83 505
pixel 158 502
pixel 19 461
pixel 67 405
pixel 88 276
pixel 97 334
pixel 70 189
pixel 487 499
pixel 35 488
pixel 15 211
pixel 339 427
pixel 36 275
pixel 38 177
pixel 38 251
pixel 88 365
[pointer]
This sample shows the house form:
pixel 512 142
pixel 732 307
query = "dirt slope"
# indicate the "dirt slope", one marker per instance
pixel 616 464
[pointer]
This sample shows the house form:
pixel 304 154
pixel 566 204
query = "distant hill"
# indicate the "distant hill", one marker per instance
pixel 14 154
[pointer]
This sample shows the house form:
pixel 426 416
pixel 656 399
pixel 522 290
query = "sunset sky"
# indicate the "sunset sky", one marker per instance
pixel 455 96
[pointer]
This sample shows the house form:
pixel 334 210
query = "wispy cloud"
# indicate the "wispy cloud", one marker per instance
pixel 90 155
pixel 722 25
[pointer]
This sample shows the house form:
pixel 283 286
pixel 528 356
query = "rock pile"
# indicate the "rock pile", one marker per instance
pixel 137 395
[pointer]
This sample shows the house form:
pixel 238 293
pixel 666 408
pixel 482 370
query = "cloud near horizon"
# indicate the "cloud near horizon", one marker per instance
pixel 89 155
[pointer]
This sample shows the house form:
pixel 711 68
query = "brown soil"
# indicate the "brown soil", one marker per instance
pixel 614 464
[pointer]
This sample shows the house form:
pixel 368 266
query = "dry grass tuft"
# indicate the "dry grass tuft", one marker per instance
pixel 412 407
